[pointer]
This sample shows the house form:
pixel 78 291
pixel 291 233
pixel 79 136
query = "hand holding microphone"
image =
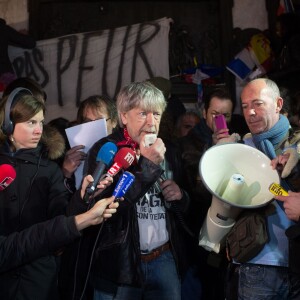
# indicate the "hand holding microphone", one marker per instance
pixel 153 148
pixel 170 190
pixel 88 180
pixel 123 159
pixel 103 209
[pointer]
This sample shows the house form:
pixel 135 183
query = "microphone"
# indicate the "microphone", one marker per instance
pixel 104 158
pixel 7 176
pixel 123 160
pixel 123 184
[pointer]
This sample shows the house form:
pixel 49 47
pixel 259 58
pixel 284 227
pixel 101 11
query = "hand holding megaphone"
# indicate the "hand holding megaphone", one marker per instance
pixel 239 177
pixel 291 204
pixel 286 162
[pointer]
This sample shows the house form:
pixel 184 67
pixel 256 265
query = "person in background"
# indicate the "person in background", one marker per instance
pixel 186 122
pixel 286 45
pixel 36 195
pixel 267 274
pixel 93 108
pixel 211 267
pixel 145 257
pixel 192 146
pixel 294 116
pixel 98 107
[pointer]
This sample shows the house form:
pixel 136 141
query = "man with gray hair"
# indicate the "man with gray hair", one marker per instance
pixel 139 254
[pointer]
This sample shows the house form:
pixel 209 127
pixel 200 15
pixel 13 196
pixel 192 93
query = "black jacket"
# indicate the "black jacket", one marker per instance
pixel 36 195
pixel 117 255
pixel 36 241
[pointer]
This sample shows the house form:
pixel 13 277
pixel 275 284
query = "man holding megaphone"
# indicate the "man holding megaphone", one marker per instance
pixel 217 103
pixel 267 275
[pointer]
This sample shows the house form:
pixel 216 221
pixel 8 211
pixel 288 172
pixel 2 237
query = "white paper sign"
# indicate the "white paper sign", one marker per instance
pixel 85 134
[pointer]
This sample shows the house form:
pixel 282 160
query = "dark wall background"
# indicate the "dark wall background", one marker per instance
pixel 201 29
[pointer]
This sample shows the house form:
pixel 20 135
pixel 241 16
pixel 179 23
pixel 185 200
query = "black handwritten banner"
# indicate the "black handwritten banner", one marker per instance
pixel 71 68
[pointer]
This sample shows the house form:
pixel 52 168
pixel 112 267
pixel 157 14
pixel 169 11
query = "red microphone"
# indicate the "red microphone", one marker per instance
pixel 123 159
pixel 7 176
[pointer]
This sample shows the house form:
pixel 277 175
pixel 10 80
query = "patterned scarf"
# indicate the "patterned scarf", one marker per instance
pixel 128 141
pixel 269 140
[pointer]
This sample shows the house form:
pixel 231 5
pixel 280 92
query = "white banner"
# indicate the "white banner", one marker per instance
pixel 73 67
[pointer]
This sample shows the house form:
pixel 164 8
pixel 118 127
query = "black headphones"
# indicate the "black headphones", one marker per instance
pixel 8 125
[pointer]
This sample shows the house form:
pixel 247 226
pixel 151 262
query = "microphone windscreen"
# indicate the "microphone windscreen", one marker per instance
pixel 107 153
pixel 125 157
pixel 104 158
pixel 7 176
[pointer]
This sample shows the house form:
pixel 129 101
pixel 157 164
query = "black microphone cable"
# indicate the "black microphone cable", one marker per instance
pixel 91 260
pixel 77 259
pixel 90 204
pixel 180 217
pixel 176 209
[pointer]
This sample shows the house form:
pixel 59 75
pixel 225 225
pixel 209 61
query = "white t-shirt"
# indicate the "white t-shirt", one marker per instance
pixel 151 216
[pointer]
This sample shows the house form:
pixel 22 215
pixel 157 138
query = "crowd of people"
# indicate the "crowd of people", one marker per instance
pixel 59 241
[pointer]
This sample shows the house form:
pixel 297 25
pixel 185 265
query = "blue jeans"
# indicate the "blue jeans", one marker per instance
pixel 191 287
pixel 258 282
pixel 160 282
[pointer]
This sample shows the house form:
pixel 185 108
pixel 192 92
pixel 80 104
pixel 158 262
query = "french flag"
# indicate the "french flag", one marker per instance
pixel 242 65
pixel 285 6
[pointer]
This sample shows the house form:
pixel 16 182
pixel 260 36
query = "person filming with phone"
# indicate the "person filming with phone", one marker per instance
pixel 140 251
pixel 216 126
pixel 221 133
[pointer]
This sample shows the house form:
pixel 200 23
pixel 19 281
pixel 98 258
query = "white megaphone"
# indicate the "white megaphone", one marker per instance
pixel 239 177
